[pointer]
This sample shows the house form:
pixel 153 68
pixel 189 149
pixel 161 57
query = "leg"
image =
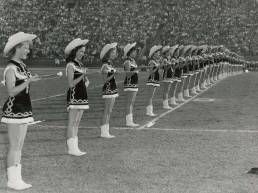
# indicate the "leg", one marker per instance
pixel 78 120
pixel 72 131
pixel 166 86
pixel 149 109
pixel 187 85
pixel 109 103
pixel 198 81
pixel 181 89
pixel 202 80
pixel 193 90
pixel 71 123
pixel 130 100
pixel 172 99
pixel 16 135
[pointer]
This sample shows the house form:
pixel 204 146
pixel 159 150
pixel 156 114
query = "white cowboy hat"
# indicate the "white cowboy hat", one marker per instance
pixel 187 50
pixel 16 39
pixel 128 47
pixel 106 48
pixel 75 43
pixel 173 48
pixel 165 49
pixel 154 49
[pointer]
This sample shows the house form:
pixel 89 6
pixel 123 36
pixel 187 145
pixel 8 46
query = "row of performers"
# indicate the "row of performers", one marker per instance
pixel 181 65
pixel 251 65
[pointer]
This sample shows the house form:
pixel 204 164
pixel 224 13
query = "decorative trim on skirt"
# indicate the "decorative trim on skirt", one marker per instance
pixel 104 96
pixel 131 89
pixel 152 84
pixel 17 120
pixel 79 107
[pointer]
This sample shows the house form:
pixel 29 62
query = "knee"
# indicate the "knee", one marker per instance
pixel 14 148
pixel 77 122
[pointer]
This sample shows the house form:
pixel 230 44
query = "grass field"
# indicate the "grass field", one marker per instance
pixel 205 146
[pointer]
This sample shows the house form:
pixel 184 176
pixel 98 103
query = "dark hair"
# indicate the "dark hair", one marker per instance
pixel 159 50
pixel 164 53
pixel 131 50
pixel 72 54
pixel 11 53
pixel 175 52
pixel 107 56
pixel 140 44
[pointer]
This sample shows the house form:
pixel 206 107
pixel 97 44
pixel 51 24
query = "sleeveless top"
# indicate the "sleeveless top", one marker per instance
pixel 77 96
pixel 153 78
pixel 131 83
pixel 109 89
pixel 18 108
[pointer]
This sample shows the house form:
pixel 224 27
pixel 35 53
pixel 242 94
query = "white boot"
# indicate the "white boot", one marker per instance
pixel 186 93
pixel 105 132
pixel 193 91
pixel 208 82
pixel 77 147
pixel 165 104
pixel 172 101
pixel 203 86
pixel 180 97
pixel 206 85
pixel 129 121
pixel 149 111
pixel 197 88
pixel 15 179
pixel 73 148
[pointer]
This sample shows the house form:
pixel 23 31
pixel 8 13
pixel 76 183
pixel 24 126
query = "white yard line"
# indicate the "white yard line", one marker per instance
pixel 44 98
pixel 144 125
pixel 152 122
pixel 160 129
pixel 191 130
pixel 65 126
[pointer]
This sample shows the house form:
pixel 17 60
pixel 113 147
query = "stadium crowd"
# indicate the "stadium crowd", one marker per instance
pixel 214 22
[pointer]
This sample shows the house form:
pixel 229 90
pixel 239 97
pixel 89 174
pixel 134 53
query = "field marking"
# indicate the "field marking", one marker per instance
pixel 65 126
pixel 44 98
pixel 58 95
pixel 156 129
pixel 152 122
pixel 189 130
pixel 62 94
pixel 204 100
pixel 149 122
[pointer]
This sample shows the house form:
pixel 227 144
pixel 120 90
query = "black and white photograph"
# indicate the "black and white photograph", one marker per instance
pixel 129 96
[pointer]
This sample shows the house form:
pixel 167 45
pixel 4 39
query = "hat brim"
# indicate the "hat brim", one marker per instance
pixel 130 48
pixel 12 43
pixel 106 48
pixel 181 50
pixel 73 45
pixel 156 49
pixel 187 50
pixel 165 49
pixel 173 48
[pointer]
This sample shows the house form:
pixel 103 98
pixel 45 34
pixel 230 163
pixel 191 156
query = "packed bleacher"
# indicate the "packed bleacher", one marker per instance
pixel 212 22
